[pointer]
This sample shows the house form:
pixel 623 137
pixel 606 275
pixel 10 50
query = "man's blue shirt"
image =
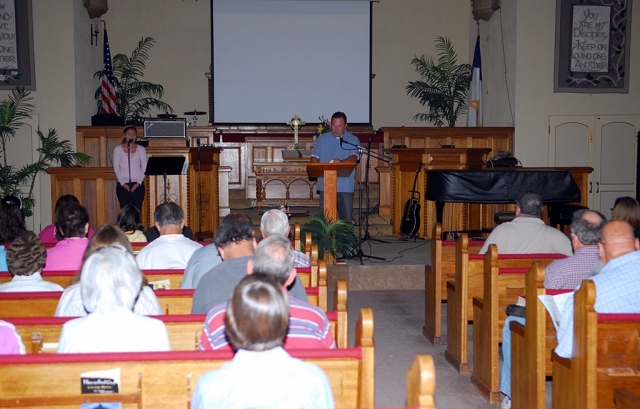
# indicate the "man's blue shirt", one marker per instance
pixel 327 147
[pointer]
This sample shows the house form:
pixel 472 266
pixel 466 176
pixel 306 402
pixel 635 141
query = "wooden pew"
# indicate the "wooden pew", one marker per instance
pixel 605 356
pixel 297 243
pixel 532 345
pixel 168 378
pixel 501 287
pixel 468 284
pixel 184 330
pixel 421 383
pixel 625 399
pixel 441 270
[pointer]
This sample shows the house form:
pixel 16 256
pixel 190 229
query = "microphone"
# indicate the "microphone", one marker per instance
pixel 128 142
pixel 198 142
pixel 340 137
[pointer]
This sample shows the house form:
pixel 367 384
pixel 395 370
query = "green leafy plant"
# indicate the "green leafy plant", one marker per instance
pixel 444 85
pixel 336 237
pixel 134 97
pixel 52 151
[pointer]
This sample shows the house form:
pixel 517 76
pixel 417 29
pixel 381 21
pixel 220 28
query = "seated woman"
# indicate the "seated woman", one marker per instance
pixel 627 209
pixel 12 223
pixel 48 234
pixel 71 305
pixel 261 374
pixel 131 224
pixel 26 257
pixel 72 222
pixel 110 283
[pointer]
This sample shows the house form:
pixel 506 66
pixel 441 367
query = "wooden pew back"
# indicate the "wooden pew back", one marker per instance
pixel 532 346
pixel 606 350
pixel 168 378
pixel 180 327
pixel 501 287
pixel 469 283
pixel 441 270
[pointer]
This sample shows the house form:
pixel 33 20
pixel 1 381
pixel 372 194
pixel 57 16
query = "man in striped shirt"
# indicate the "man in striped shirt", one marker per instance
pixel 308 325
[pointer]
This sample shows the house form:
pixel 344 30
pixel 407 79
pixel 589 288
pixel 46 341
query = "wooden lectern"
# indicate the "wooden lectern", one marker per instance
pixel 330 172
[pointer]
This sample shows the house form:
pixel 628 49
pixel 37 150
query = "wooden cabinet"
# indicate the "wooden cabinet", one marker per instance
pixel 403 172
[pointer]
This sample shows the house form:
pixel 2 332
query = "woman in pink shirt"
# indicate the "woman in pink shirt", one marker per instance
pixel 129 165
pixel 72 223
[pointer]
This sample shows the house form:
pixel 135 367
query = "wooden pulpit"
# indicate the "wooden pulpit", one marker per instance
pixel 330 172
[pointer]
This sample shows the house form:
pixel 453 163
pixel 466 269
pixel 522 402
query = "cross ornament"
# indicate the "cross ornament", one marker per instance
pixel 296 123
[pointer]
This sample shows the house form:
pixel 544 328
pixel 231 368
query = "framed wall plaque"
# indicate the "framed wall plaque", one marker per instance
pixel 16 45
pixel 592 46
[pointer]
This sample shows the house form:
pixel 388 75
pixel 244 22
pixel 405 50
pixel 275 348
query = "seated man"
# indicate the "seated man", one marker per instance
pixel 26 257
pixel 236 242
pixel 308 325
pixel 527 233
pixel 206 258
pixel 617 284
pixel 566 273
pixel 171 249
pixel 276 222
pixel 261 374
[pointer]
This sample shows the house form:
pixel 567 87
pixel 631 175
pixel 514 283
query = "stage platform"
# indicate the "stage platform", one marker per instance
pixel 402 269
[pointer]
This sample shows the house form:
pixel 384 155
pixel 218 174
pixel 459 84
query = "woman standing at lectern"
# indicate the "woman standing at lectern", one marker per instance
pixel 129 165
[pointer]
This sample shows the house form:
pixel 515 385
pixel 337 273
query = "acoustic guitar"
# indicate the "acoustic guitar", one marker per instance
pixel 411 218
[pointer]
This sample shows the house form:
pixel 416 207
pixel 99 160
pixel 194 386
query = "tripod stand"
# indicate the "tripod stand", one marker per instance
pixel 363 220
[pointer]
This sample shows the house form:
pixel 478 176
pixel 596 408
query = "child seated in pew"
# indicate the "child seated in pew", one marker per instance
pixel 25 258
pixel 261 374
pixel 110 283
pixel 131 224
pixel 71 305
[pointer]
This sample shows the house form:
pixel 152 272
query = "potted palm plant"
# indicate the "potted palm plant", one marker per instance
pixel 52 151
pixel 134 97
pixel 334 238
pixel 443 85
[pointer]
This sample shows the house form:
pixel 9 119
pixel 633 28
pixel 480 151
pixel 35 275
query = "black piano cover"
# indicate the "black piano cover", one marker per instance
pixel 500 185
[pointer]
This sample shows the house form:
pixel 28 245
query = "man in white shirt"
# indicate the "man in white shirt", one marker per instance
pixel 171 250
pixel 527 233
pixel 25 258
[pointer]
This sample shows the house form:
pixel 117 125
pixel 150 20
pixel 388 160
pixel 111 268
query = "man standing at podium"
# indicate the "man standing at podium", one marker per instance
pixel 334 147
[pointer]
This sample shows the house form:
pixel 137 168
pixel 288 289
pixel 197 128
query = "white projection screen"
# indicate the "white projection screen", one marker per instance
pixel 272 59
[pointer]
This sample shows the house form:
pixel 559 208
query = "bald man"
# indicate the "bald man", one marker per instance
pixel 617 284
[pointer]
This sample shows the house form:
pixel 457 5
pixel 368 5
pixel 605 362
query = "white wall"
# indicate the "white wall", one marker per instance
pixel 534 82
pixel 403 29
pixel 182 53
pixel 88 60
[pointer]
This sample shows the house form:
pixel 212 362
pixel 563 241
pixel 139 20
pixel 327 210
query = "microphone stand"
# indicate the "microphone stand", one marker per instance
pixel 199 193
pixel 129 162
pixel 364 220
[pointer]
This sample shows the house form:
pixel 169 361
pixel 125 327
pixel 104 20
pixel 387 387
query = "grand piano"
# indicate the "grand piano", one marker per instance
pixel 499 186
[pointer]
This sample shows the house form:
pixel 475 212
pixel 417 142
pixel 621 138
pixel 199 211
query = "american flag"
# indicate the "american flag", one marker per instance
pixel 108 87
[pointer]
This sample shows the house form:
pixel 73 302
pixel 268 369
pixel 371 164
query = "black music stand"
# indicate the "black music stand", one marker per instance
pixel 164 165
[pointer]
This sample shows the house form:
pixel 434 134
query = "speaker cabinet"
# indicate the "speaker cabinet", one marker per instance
pixel 165 128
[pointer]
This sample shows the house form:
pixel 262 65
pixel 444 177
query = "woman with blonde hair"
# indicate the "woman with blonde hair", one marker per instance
pixel 107 235
pixel 627 209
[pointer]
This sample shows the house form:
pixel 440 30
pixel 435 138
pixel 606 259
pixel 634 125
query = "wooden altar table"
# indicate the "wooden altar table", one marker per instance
pixel 284 174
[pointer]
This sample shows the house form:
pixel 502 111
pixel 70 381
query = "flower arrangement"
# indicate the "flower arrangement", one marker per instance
pixel 323 127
